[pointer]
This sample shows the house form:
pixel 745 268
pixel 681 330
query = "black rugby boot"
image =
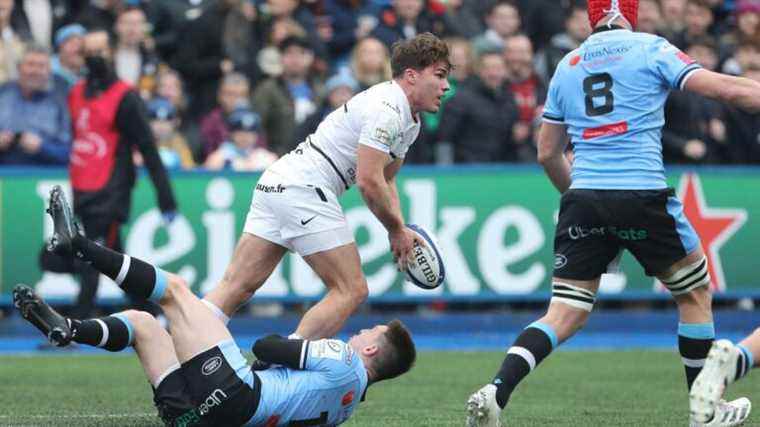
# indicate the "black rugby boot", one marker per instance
pixel 37 312
pixel 65 227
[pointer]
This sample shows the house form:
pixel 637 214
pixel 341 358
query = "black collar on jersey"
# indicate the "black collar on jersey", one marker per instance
pixel 607 28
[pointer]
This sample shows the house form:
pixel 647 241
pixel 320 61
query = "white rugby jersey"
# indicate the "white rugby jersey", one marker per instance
pixel 379 117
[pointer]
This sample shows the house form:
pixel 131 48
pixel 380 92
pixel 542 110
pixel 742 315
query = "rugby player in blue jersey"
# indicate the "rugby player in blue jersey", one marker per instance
pixel 607 97
pixel 198 373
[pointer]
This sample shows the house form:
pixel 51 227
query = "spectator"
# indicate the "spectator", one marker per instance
pixel 542 19
pixel 370 63
pixel 135 63
pixel 338 90
pixel 747 26
pixel 99 14
pixel 285 102
pixel 698 19
pixel 269 58
pixel 172 146
pixel 746 56
pixel 404 20
pixel 169 87
pixel 577 28
pixel 68 64
pixel 170 21
pixel 273 12
pixel 349 22
pixel 101 169
pixel 11 45
pixel 744 130
pixel 673 12
pixel 234 91
pixel 461 21
pixel 242 152
pixel 694 130
pixel 650 17
pixel 502 22
pixel 529 94
pixel 40 19
pixel 478 120
pixel 428 150
pixel 34 123
pixel 202 58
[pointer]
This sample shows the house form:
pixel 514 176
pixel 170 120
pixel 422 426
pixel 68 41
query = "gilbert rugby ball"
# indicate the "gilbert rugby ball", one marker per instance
pixel 425 268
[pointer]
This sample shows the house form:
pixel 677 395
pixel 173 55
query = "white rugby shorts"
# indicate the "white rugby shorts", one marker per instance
pixel 305 219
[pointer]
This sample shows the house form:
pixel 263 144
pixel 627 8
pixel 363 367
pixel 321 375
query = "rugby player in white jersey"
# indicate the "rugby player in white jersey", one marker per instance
pixel 295 203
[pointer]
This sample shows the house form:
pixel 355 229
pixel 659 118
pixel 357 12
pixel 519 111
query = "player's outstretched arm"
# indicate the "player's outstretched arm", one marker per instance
pixel 552 139
pixel 740 92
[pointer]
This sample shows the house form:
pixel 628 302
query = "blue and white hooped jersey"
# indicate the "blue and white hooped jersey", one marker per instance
pixel 325 393
pixel 610 93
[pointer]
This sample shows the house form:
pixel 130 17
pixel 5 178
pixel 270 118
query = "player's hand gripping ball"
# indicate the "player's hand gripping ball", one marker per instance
pixel 425 267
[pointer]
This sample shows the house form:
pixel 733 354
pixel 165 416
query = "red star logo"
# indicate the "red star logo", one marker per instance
pixel 715 226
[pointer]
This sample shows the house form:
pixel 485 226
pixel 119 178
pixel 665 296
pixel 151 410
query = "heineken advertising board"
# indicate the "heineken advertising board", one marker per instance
pixel 495 226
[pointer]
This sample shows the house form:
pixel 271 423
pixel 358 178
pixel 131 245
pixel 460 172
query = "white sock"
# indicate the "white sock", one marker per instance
pixel 217 311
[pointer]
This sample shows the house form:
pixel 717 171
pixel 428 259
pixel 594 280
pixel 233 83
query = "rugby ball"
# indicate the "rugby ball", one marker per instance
pixel 425 268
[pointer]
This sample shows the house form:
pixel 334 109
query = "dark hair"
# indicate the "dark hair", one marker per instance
pixel 418 53
pixel 705 41
pixel 397 353
pixel 301 42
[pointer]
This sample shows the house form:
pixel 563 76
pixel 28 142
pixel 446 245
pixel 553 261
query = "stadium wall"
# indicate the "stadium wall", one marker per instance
pixel 494 225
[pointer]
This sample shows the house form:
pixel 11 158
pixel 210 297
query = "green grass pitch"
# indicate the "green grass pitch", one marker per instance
pixel 629 388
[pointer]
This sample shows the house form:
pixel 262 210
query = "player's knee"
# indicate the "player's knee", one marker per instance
pixel 566 320
pixel 360 293
pixel 142 321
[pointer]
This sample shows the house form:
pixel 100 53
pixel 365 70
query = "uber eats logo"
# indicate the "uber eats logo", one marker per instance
pixel 578 232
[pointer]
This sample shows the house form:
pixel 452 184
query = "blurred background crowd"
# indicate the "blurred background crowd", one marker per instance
pixel 233 84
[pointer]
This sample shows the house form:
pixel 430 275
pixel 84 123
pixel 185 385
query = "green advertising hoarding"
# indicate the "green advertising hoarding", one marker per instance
pixel 495 226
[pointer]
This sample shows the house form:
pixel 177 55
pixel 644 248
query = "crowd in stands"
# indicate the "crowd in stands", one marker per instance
pixel 233 84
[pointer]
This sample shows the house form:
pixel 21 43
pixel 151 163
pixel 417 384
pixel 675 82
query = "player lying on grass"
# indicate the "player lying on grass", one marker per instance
pixel 198 373
pixel 726 362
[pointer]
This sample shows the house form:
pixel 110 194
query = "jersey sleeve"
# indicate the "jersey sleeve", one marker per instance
pixel 381 128
pixel 328 355
pixel 553 112
pixel 669 63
